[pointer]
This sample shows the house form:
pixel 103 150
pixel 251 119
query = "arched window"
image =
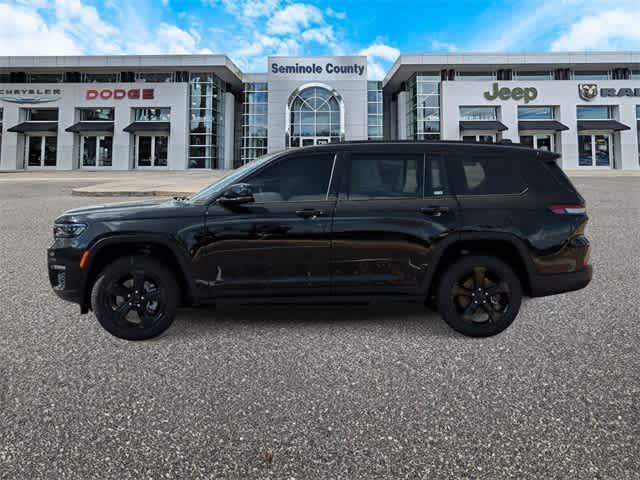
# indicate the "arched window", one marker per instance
pixel 315 117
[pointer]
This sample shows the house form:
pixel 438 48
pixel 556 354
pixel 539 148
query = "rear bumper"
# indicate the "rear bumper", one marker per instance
pixel 552 284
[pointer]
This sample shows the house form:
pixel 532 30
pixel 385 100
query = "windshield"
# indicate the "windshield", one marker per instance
pixel 219 186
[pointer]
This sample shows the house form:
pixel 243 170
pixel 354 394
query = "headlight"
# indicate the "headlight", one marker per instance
pixel 68 230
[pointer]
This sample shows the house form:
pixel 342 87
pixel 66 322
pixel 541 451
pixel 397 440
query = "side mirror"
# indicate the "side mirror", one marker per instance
pixel 237 194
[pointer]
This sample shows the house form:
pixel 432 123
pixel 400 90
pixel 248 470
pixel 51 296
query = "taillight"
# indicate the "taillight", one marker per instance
pixel 568 209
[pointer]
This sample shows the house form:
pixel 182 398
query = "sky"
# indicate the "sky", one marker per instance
pixel 250 30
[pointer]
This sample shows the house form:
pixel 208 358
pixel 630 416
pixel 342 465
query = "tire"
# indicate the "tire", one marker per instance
pixel 135 298
pixel 484 312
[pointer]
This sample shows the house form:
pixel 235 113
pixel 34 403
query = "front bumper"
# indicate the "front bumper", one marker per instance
pixel 65 275
pixel 552 284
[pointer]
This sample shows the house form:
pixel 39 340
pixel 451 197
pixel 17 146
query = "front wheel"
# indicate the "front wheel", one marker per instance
pixel 135 298
pixel 479 296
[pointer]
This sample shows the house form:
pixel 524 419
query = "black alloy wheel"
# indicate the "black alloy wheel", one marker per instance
pixel 135 298
pixel 479 296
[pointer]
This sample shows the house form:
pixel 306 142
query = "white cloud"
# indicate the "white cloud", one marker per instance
pixel 439 46
pixel 321 35
pixel 613 29
pixel 293 18
pixel 380 50
pixel 379 57
pixel 25 32
pixel 332 13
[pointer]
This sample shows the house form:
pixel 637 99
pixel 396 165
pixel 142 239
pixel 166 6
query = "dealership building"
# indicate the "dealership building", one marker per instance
pixel 181 112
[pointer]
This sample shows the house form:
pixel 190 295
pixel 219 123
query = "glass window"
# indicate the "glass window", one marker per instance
pixel 45 77
pixel 594 112
pixel 50 151
pixel 479 113
pixel 637 112
pixel 42 114
pixel 476 75
pixel 635 75
pixel 536 113
pixel 527 140
pixel 104 77
pixel 534 75
pixel 152 114
pixel 294 178
pixel 485 175
pixel 96 114
pixel 385 176
pixel 591 75
pixel 154 77
pixel 423 106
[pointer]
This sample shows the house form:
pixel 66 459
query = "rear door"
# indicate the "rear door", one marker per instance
pixel 387 225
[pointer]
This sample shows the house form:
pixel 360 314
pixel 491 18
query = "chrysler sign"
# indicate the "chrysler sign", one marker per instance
pixel 30 95
pixel 120 94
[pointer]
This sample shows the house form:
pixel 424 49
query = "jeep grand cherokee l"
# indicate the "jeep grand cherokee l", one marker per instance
pixel 469 228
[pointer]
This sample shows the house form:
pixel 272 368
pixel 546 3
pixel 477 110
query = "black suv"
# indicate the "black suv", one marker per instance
pixel 467 228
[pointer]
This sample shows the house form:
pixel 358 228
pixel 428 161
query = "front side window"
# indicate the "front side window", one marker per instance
pixel 536 113
pixel 479 113
pixel 594 112
pixel 435 180
pixel 152 114
pixel 385 176
pixel 294 178
pixel 485 175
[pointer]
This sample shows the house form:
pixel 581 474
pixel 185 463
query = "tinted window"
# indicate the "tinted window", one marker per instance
pixel 295 178
pixel 495 174
pixel 385 176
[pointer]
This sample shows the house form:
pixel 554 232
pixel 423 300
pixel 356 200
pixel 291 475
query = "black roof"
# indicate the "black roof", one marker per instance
pixel 417 145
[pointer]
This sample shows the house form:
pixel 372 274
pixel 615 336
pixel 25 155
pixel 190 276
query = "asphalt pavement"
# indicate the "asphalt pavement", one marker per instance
pixel 321 392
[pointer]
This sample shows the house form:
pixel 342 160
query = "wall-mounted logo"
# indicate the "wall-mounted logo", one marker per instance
pixel 120 94
pixel 517 93
pixel 30 95
pixel 315 69
pixel 587 91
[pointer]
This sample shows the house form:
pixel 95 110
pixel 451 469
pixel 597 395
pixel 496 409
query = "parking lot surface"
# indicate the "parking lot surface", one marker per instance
pixel 321 392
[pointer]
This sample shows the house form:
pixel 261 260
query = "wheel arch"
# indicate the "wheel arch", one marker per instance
pixel 109 249
pixel 506 247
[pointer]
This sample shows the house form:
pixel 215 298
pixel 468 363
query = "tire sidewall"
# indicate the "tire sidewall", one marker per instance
pixel 117 270
pixel 446 305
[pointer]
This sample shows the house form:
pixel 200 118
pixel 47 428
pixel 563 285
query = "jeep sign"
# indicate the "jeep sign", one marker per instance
pixel 517 93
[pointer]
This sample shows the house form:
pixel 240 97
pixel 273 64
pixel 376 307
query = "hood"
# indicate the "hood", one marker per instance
pixel 148 209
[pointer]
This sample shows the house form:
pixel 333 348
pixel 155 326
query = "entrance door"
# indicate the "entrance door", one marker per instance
pixel 540 141
pixel 41 151
pixel 96 151
pixel 595 150
pixel 151 150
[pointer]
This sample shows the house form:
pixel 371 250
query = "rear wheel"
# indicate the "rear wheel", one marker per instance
pixel 135 298
pixel 479 296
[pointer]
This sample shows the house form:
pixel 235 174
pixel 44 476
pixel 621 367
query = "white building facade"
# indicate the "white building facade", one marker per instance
pixel 201 112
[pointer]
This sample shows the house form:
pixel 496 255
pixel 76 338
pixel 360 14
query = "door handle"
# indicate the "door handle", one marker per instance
pixel 435 210
pixel 310 213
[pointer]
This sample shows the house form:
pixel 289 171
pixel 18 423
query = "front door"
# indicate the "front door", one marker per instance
pixel 480 137
pixel 278 245
pixel 387 225
pixel 96 151
pixel 595 150
pixel 41 151
pixel 151 150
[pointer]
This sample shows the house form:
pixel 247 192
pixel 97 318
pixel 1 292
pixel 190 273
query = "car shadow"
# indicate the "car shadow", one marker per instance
pixel 407 318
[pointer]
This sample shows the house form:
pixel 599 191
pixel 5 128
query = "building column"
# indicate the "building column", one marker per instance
pixel 12 148
pixel 229 118
pixel 627 157
pixel 568 138
pixel 509 116
pixel 402 115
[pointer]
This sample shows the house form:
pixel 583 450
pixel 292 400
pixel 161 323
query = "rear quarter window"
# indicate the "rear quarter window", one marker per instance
pixel 492 173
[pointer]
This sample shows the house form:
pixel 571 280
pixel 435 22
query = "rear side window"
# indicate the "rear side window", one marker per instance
pixel 385 176
pixel 486 174
pixel 435 178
